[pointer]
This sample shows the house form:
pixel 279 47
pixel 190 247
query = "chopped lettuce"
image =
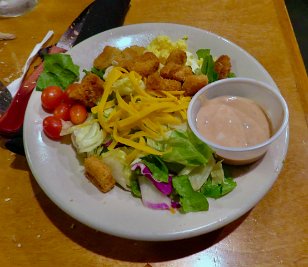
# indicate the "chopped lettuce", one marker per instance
pixel 87 137
pixel 116 161
pixel 143 170
pixel 190 200
pixel 59 70
pixel 186 149
pixel 135 188
pixel 157 167
pixel 151 197
pixel 198 175
pixel 212 190
pixel 208 64
pixel 217 173
pixel 99 73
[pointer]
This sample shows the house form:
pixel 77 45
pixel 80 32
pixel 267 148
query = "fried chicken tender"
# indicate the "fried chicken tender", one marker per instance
pixel 146 64
pixel 223 66
pixel 114 56
pixel 194 83
pixel 99 174
pixel 177 56
pixel 128 57
pixel 89 91
pixel 157 83
pixel 175 72
pixel 107 57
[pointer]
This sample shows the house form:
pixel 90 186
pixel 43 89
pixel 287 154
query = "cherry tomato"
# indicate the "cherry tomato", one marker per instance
pixel 78 113
pixel 51 97
pixel 52 127
pixel 62 111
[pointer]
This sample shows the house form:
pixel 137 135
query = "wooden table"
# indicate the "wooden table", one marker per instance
pixel 35 232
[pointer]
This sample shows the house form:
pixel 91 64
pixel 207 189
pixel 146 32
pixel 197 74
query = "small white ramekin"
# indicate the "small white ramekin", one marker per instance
pixel 266 96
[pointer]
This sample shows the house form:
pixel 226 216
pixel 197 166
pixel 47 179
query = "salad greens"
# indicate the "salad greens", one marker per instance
pixel 59 70
pixel 183 176
pixel 207 64
pixel 190 199
pixel 200 176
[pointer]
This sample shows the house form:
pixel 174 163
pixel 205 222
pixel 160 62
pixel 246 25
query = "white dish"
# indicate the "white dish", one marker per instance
pixel 60 174
pixel 265 95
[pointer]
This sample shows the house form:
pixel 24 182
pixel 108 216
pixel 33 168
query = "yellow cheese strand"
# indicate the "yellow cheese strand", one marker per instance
pixel 136 145
pixel 134 77
pixel 136 118
pixel 113 76
pixel 109 104
pixel 148 114
pixel 173 93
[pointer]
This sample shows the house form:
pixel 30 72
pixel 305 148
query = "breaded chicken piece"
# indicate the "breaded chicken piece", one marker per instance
pixel 223 66
pixel 89 91
pixel 133 52
pixel 99 174
pixel 146 64
pixel 157 83
pixel 175 72
pixel 194 83
pixel 177 56
pixel 128 57
pixel 107 57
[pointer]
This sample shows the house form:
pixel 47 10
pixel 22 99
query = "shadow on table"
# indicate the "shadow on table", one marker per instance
pixel 125 249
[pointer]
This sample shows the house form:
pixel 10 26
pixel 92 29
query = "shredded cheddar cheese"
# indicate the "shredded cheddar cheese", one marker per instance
pixel 142 114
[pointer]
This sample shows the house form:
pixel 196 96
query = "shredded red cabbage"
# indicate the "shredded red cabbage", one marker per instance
pixel 165 188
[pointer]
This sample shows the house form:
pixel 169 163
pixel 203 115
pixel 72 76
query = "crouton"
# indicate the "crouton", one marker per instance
pixel 99 174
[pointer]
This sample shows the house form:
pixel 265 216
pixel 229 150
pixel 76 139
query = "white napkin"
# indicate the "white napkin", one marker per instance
pixel 14 86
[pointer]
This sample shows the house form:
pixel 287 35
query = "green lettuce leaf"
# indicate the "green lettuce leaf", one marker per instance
pixel 99 73
pixel 186 149
pixel 135 188
pixel 59 70
pixel 209 189
pixel 157 167
pixel 190 200
pixel 198 175
pixel 208 64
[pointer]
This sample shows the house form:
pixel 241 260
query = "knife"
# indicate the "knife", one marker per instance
pixel 5 98
pixel 99 16
pixel 103 15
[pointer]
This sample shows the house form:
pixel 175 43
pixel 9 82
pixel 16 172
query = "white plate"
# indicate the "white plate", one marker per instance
pixel 60 174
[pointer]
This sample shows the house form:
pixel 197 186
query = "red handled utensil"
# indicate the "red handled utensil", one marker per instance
pixel 99 16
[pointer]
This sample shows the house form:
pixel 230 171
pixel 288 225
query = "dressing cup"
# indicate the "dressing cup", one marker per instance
pixel 266 96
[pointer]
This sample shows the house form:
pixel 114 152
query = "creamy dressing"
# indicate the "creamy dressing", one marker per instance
pixel 233 122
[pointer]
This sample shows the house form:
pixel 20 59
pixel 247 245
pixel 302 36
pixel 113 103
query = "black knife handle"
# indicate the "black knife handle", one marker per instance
pixel 104 15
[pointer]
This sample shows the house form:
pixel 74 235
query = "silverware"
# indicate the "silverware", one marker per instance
pixel 5 98
pixel 12 118
pixel 100 15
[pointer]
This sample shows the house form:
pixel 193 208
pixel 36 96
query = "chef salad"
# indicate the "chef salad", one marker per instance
pixel 127 117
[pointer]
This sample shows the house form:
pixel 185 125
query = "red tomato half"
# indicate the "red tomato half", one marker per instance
pixel 52 127
pixel 51 97
pixel 78 114
pixel 62 111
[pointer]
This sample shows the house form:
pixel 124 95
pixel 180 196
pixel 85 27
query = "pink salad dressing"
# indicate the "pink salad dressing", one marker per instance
pixel 233 122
